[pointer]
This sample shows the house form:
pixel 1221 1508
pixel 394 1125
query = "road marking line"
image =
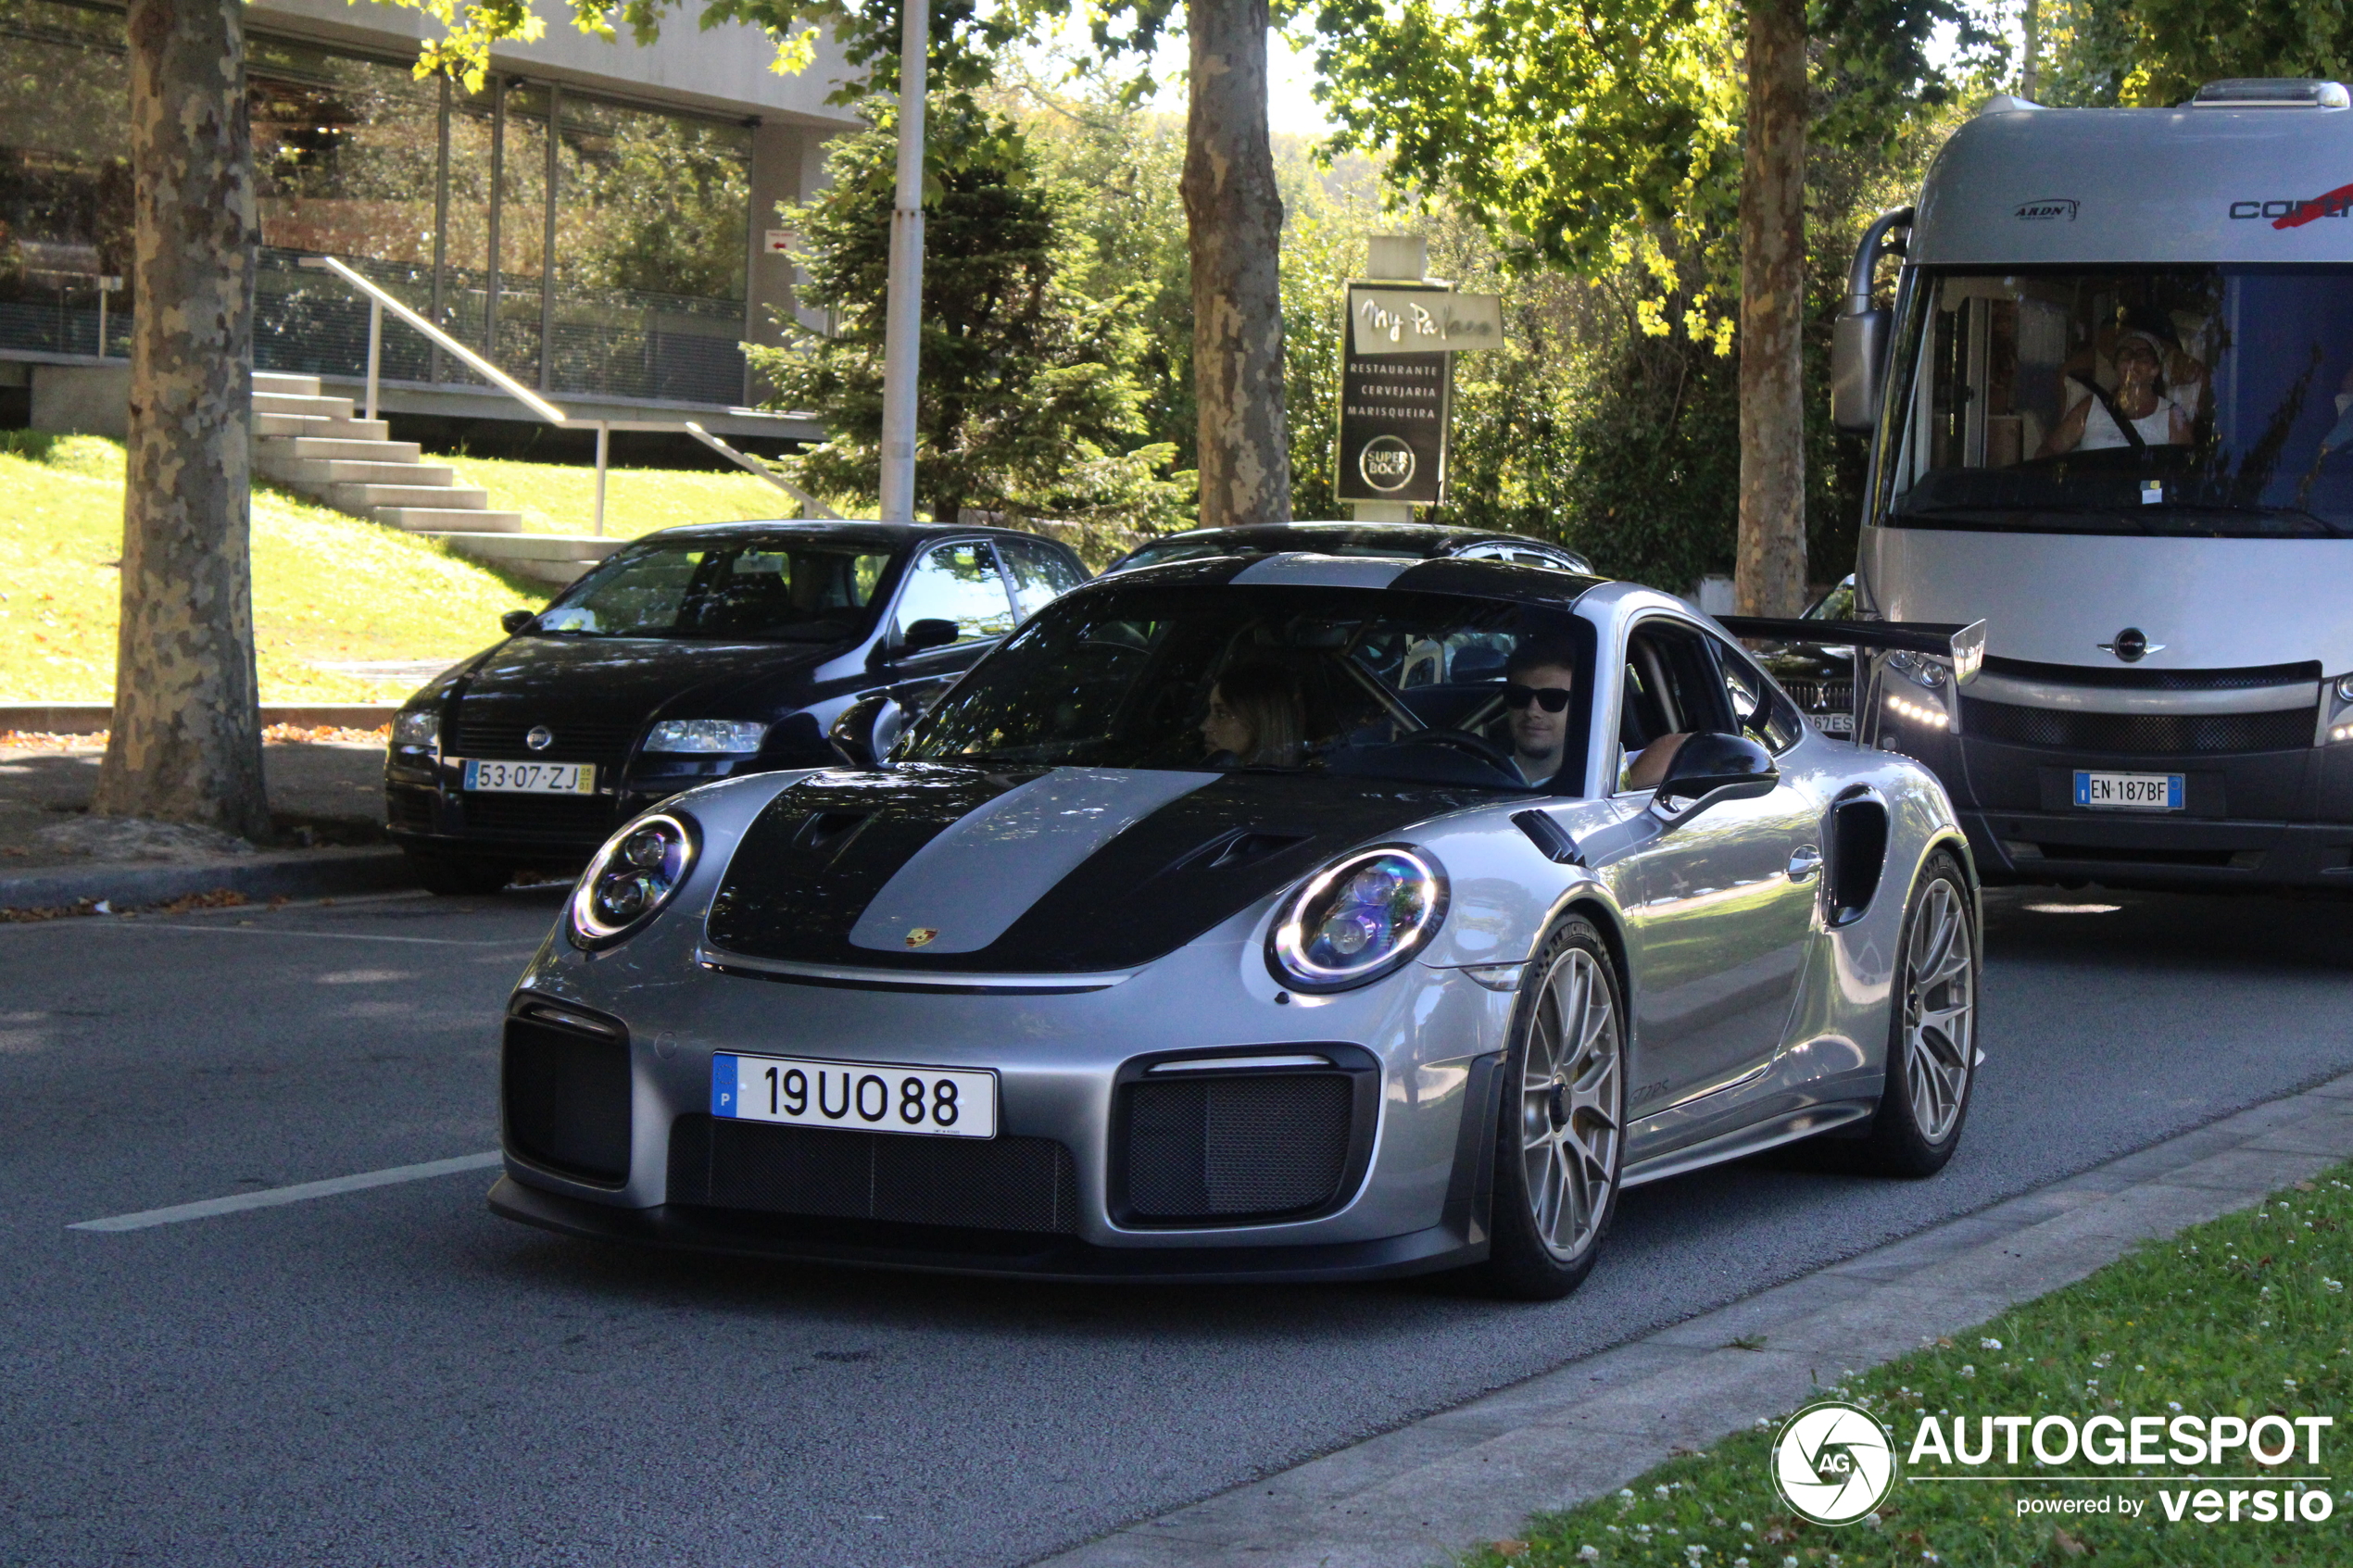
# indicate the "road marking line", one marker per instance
pixel 299 1193
pixel 334 936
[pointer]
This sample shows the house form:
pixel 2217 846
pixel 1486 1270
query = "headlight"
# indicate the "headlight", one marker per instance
pixel 705 734
pixel 2344 688
pixel 632 876
pixel 1357 919
pixel 1918 668
pixel 418 727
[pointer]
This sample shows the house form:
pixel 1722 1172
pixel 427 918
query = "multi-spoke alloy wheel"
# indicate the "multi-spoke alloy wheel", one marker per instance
pixel 1568 1104
pixel 1560 1137
pixel 1932 1036
pixel 1940 1005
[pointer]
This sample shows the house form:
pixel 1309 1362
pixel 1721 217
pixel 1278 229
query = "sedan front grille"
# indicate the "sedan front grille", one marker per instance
pixel 499 730
pixel 1008 1184
pixel 1822 697
pixel 2151 735
pixel 1236 1146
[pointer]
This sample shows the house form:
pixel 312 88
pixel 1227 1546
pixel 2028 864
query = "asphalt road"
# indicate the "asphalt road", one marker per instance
pixel 393 1376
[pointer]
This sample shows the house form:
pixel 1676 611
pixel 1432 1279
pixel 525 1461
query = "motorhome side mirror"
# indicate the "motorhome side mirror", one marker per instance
pixel 928 633
pixel 515 620
pixel 866 730
pixel 1709 768
pixel 1859 358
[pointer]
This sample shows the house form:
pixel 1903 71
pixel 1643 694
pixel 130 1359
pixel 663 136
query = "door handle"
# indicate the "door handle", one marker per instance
pixel 1804 862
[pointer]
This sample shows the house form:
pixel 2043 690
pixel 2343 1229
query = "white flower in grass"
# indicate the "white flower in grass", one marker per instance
pixel 2288 1383
pixel 1749 1527
pixel 1740 1562
pixel 1969 1372
pixel 1588 1554
pixel 1989 1344
pixel 2333 1287
pixel 1662 1493
pixel 1694 1552
pixel 2173 1405
pixel 1789 1562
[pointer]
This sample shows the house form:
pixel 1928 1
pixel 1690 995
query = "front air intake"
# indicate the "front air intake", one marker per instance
pixel 564 1096
pixel 1198 1143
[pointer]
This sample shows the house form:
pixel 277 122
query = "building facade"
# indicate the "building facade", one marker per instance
pixel 599 221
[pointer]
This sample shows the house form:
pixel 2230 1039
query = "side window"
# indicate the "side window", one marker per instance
pixel 1038 573
pixel 1671 686
pixel 1763 713
pixel 957 582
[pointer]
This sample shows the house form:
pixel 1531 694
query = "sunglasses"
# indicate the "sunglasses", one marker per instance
pixel 1551 699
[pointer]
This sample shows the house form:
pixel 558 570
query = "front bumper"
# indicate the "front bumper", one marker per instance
pixel 1452 1243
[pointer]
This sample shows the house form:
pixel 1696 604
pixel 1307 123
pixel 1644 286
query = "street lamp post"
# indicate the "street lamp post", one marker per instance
pixel 903 308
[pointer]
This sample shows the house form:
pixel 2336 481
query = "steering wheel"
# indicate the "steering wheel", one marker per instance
pixel 1463 740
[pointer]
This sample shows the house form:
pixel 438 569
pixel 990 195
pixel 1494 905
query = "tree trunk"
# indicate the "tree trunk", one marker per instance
pixel 1771 578
pixel 186 742
pixel 1234 219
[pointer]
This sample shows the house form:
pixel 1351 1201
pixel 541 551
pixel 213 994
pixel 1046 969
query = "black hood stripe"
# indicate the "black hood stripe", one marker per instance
pixel 817 857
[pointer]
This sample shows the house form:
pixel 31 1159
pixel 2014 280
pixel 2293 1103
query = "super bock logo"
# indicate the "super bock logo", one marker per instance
pixel 1833 1462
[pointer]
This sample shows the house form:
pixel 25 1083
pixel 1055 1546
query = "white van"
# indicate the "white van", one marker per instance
pixel 2111 414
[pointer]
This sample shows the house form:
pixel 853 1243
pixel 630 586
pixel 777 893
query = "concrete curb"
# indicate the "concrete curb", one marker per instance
pixel 304 873
pixel 90 718
pixel 1417 1495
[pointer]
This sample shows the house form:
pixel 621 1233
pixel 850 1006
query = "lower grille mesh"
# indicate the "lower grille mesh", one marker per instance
pixel 1225 1147
pixel 2283 729
pixel 565 1100
pixel 995 1183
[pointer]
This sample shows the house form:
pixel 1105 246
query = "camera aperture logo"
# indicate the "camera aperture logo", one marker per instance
pixel 1833 1462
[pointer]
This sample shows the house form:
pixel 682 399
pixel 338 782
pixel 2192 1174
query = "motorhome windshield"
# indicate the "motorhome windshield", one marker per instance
pixel 2199 401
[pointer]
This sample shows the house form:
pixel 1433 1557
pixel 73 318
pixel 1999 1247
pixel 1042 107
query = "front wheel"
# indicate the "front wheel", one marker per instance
pixel 1932 1043
pixel 1561 1141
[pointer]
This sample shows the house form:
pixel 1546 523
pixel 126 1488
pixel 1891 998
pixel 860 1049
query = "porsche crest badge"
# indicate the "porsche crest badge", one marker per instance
pixel 918 935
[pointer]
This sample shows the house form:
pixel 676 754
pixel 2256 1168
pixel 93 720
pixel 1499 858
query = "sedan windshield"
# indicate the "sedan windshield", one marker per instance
pixel 1311 681
pixel 750 590
pixel 2187 401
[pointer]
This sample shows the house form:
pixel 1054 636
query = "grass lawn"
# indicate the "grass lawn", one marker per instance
pixel 2246 1317
pixel 327 587
pixel 562 497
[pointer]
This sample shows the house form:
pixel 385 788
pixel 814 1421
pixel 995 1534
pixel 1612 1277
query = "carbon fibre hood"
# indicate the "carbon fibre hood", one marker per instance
pixel 946 870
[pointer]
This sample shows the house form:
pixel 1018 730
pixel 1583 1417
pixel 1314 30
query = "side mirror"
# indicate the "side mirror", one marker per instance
pixel 1858 355
pixel 1711 768
pixel 928 633
pixel 515 620
pixel 868 728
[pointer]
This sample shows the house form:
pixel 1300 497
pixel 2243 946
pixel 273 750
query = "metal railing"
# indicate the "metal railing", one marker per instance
pixel 378 301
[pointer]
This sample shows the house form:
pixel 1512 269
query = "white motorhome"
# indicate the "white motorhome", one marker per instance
pixel 2112 413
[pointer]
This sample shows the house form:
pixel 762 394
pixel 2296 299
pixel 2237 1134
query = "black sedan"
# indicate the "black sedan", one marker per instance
pixel 694 654
pixel 1411 541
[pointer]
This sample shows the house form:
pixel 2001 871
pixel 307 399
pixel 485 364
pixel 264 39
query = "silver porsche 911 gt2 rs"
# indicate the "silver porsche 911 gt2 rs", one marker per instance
pixel 1271 919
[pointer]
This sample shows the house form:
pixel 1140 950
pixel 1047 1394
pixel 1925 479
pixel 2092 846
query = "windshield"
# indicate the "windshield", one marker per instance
pixel 751 590
pixel 1310 681
pixel 2194 401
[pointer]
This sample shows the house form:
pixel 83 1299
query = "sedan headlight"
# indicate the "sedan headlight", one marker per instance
pixel 634 875
pixel 1356 919
pixel 739 736
pixel 419 727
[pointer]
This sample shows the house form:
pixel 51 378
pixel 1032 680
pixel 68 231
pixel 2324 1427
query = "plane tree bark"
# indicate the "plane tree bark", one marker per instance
pixel 1770 561
pixel 1234 223
pixel 185 744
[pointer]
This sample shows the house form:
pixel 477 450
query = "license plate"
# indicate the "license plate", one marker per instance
pixel 2129 792
pixel 1832 724
pixel 870 1098
pixel 532 778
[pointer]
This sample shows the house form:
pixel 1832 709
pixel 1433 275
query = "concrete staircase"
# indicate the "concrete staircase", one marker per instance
pixel 315 446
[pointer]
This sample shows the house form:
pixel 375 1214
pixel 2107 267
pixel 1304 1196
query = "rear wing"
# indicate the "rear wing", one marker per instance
pixel 1963 645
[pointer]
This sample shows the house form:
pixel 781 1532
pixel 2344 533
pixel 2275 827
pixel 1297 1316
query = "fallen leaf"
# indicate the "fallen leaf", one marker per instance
pixel 2072 1545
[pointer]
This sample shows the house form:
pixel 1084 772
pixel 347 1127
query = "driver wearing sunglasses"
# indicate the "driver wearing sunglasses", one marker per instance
pixel 1537 685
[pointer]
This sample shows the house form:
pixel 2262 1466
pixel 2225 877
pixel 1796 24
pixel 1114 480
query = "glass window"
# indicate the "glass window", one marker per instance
pixel 1039 571
pixel 755 590
pixel 957 582
pixel 2203 401
pixel 65 177
pixel 1760 711
pixel 1305 679
pixel 1671 687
